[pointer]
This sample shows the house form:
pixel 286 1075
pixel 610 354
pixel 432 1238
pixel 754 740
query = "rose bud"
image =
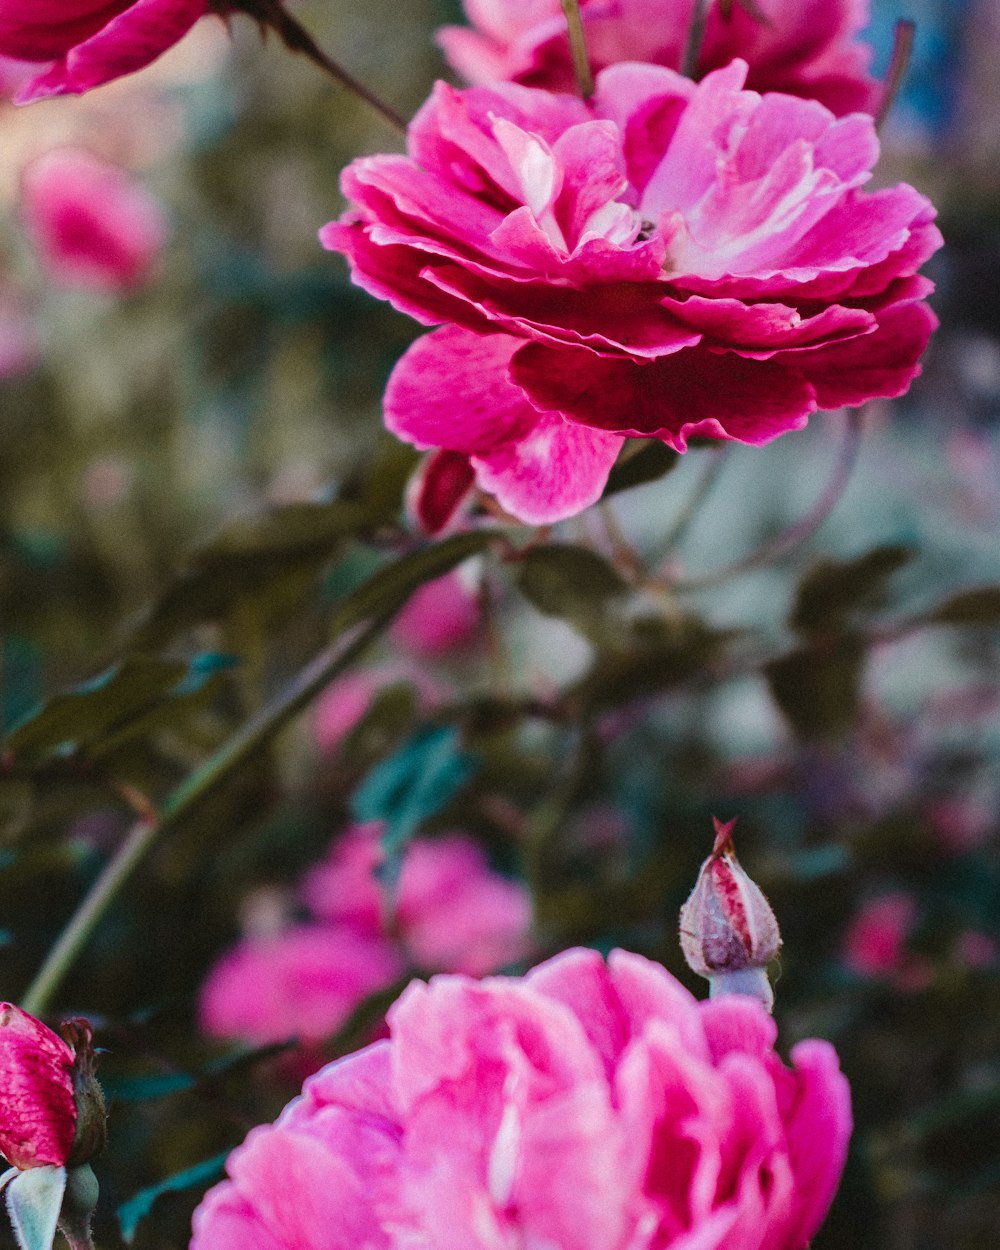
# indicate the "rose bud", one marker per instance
pixel 728 931
pixel 52 1122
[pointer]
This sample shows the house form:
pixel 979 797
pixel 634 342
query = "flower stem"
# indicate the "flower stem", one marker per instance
pixel 696 37
pixel 902 51
pixel 692 505
pixel 578 47
pixel 801 530
pixel 147 832
pixel 296 38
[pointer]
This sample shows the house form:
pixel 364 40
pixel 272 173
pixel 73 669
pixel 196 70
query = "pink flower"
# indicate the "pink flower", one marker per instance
pixel 585 1106
pixel 345 701
pixel 668 260
pixel 452 911
pixel 875 941
pixel 442 616
pixel 52 1110
pixel 93 224
pixel 803 47
pixel 38 1116
pixel 302 983
pixel 84 43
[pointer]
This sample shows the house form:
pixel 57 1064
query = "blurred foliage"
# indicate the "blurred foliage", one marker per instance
pixel 195 498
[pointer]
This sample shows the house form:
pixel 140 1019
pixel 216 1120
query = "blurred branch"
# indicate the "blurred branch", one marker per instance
pixel 786 542
pixel 272 14
pixel 149 830
pixel 696 37
pixel 902 50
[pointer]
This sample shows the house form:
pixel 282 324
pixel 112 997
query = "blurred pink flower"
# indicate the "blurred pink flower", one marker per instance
pixel 807 48
pixel 38 1109
pixel 585 1106
pixel 668 260
pixel 974 949
pixel 875 940
pixel 302 983
pixel 346 700
pixel 93 224
pixel 84 43
pixel 442 616
pixel 452 911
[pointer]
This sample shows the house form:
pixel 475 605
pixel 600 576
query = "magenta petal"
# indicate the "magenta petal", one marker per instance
pixel 439 490
pixel 38 1109
pixel 450 390
pixel 715 395
pixel 128 42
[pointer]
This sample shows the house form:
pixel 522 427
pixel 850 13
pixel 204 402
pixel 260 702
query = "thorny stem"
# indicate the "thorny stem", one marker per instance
pixel 696 37
pixel 902 51
pixel 148 831
pixel 803 529
pixel 296 38
pixel 578 47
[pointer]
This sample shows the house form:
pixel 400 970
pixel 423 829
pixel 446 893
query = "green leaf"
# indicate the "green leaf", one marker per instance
pixel 819 688
pixel 979 606
pixel 575 584
pixel 132 698
pixel 265 562
pixel 833 590
pixel 34 1200
pixel 388 590
pixel 661 654
pixel 134 1211
pixel 414 784
pixel 643 461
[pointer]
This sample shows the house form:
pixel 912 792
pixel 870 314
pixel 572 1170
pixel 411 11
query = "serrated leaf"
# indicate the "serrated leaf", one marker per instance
pixel 979 606
pixel 134 1211
pixel 833 590
pixel 818 689
pixel 34 1200
pixel 388 589
pixel 125 701
pixel 414 784
pixel 572 583
pixel 650 461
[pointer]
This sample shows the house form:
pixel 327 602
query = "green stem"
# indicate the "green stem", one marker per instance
pixel 798 533
pixel 578 47
pixel 696 37
pixel 902 52
pixel 146 833
pixel 692 505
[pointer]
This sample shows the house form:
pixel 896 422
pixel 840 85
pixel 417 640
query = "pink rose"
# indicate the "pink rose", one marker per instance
pixel 345 701
pixel 302 983
pixel 38 1118
pixel 668 260
pixel 452 911
pixel 88 42
pixel 875 940
pixel 441 616
pixel 93 224
pixel 585 1106
pixel 806 48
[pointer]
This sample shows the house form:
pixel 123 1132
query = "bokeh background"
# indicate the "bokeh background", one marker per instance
pixel 168 460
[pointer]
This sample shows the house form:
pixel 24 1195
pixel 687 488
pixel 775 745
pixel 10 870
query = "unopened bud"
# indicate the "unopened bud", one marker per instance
pixel 91 1112
pixel 728 931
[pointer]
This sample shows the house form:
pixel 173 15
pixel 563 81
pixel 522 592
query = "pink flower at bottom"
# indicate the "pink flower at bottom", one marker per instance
pixel 588 1106
pixel 303 983
pixel 667 260
pixel 93 224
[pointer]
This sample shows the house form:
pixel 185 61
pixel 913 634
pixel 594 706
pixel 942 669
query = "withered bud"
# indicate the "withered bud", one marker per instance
pixel 91 1113
pixel 728 931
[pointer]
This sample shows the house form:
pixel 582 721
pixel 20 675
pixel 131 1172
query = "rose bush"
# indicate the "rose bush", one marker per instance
pixel 85 43
pixel 585 1106
pixel 668 260
pixel 807 48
